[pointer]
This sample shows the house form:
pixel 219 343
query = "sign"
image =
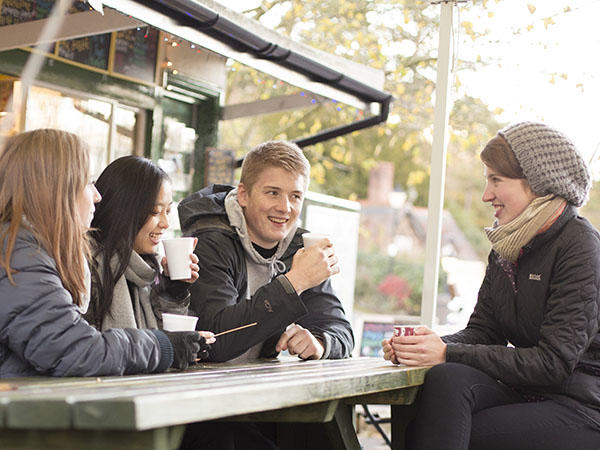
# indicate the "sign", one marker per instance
pixel 372 335
pixel 89 50
pixel 219 166
pixel 135 53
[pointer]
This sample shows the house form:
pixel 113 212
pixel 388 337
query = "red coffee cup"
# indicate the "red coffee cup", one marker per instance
pixel 404 330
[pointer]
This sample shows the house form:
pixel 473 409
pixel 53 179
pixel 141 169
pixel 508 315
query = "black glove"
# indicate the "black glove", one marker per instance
pixel 186 345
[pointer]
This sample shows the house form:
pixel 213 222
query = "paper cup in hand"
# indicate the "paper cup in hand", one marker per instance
pixel 178 322
pixel 311 239
pixel 178 252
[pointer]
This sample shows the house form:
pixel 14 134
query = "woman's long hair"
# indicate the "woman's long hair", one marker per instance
pixel 129 187
pixel 42 175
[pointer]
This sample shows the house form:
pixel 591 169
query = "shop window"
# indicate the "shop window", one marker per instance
pixel 89 118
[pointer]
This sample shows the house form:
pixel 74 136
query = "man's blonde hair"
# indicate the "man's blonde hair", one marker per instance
pixel 42 175
pixel 281 154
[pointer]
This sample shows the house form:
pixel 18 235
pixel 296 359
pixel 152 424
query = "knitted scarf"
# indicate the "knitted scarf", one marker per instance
pixel 508 239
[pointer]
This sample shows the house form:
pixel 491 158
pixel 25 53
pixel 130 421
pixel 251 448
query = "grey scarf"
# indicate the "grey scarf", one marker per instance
pixel 136 312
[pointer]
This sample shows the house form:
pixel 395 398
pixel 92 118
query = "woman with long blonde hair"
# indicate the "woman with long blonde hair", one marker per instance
pixel 46 206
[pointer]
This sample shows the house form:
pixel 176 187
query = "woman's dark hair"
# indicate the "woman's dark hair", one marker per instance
pixel 498 155
pixel 129 187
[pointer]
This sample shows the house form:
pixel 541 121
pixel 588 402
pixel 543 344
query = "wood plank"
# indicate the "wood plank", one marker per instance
pixel 405 396
pixel 42 414
pixel 315 412
pixel 161 439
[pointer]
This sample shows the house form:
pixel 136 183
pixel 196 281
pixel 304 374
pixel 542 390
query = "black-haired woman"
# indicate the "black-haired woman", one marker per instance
pixel 128 288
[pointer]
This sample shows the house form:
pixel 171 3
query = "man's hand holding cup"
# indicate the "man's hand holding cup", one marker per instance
pixel 314 263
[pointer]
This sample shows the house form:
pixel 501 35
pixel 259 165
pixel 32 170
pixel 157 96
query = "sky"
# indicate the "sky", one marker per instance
pixel 549 72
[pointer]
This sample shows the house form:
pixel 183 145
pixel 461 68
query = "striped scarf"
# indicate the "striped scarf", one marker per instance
pixel 508 239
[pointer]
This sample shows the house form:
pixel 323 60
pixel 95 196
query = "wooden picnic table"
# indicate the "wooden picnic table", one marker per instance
pixel 150 411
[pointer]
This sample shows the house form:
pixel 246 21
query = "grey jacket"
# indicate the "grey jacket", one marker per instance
pixel 43 333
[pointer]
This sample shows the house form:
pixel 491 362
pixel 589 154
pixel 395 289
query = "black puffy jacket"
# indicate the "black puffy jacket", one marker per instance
pixel 218 297
pixel 552 320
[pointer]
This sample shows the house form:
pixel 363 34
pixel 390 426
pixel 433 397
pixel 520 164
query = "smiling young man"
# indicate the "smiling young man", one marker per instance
pixel 253 267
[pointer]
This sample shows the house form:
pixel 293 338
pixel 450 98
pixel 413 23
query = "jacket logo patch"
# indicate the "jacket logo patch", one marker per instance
pixel 535 276
pixel 268 306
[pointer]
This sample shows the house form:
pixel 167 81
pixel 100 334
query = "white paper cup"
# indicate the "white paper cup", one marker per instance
pixel 177 322
pixel 311 239
pixel 177 251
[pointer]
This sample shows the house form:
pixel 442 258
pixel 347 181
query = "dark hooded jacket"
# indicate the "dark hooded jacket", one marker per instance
pixel 550 317
pixel 218 297
pixel 43 333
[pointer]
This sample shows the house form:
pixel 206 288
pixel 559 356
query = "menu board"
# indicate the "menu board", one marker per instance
pixel 135 53
pixel 219 167
pixel 18 11
pixel 89 50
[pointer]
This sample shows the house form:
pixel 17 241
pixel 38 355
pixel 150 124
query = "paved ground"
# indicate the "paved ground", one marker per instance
pixel 368 436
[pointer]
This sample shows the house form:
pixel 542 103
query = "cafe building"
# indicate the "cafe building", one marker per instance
pixel 149 78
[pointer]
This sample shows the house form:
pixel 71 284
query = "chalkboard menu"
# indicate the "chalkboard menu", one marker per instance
pixel 219 166
pixel 135 53
pixel 18 11
pixel 89 50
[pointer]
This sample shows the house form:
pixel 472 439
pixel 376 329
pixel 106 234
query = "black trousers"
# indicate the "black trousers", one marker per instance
pixel 462 408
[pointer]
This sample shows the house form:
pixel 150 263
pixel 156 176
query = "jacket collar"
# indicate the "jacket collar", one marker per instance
pixel 540 240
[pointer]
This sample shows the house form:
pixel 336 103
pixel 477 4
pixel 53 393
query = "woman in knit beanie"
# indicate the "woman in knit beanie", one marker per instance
pixel 525 372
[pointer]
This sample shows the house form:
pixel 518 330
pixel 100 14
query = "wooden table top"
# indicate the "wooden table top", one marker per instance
pixel 203 392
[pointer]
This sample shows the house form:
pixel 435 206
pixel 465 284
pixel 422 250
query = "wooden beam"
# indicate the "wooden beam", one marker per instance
pixel 271 105
pixel 85 23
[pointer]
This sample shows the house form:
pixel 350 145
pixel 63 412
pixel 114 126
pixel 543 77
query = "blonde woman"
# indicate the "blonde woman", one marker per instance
pixel 46 206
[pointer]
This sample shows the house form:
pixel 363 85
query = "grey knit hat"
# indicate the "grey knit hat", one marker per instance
pixel 550 161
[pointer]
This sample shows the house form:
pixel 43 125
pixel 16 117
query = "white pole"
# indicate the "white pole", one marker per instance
pixel 435 205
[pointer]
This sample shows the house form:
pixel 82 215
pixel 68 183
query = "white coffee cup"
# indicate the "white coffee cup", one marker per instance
pixel 311 239
pixel 178 252
pixel 178 322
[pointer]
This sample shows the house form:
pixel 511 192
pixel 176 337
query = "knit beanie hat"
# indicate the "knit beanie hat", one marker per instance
pixel 550 161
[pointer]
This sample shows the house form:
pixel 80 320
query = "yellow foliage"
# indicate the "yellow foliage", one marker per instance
pixel 548 21
pixel 564 76
pixel 400 89
pixel 317 173
pixel 531 8
pixel 316 126
pixel 337 153
pixel 416 177
pixel 328 165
